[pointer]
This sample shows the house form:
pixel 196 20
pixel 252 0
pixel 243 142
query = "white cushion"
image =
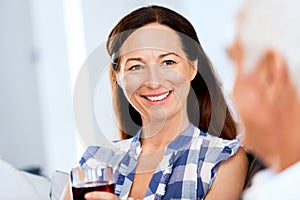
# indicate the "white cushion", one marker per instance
pixel 16 184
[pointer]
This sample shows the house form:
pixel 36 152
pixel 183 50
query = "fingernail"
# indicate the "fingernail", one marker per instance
pixel 87 196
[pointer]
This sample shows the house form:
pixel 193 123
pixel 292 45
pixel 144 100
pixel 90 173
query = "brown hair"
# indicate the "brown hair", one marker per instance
pixel 215 117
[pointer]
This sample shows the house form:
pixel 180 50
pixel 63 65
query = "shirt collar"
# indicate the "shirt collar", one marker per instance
pixel 181 142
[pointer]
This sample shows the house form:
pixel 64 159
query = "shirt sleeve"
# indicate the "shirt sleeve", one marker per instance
pixel 108 154
pixel 229 148
pixel 213 152
pixel 88 154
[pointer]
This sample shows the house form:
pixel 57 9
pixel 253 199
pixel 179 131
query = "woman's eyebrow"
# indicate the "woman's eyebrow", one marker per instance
pixel 167 54
pixel 133 59
pixel 141 60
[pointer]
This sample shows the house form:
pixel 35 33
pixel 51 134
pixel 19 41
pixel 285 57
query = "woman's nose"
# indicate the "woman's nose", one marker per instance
pixel 153 76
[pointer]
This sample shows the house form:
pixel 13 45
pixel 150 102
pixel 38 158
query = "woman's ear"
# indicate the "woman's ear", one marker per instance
pixel 115 78
pixel 118 78
pixel 194 66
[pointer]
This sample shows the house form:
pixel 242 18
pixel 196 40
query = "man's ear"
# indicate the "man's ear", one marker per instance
pixel 273 75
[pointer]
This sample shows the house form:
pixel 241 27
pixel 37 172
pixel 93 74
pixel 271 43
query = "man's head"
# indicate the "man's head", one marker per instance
pixel 265 53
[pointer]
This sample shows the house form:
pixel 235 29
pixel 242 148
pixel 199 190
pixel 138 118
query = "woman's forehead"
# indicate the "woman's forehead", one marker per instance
pixel 153 36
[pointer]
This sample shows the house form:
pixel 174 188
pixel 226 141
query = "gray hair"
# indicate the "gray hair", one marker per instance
pixel 273 24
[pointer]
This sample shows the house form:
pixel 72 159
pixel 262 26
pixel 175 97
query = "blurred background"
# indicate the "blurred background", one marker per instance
pixel 43 45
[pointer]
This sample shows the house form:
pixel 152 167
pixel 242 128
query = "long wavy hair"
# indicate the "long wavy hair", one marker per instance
pixel 208 110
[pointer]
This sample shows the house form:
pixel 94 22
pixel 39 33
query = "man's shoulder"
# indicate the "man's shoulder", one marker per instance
pixel 269 185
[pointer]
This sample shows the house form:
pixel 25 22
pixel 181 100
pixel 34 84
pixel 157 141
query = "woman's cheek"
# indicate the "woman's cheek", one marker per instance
pixel 130 87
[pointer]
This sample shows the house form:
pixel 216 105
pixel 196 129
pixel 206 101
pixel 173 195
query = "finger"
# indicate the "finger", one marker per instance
pixel 100 195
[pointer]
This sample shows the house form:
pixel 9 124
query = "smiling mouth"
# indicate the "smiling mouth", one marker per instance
pixel 155 98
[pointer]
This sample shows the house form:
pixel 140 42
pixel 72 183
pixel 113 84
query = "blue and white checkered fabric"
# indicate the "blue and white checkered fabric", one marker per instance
pixel 186 171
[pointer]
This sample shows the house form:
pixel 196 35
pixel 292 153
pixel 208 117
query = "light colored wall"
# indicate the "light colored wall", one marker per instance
pixel 21 141
pixel 36 118
pixel 54 84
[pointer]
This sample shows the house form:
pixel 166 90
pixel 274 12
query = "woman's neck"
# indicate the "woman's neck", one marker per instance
pixel 158 134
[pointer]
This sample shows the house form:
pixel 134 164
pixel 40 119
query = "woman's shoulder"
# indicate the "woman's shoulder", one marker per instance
pixel 212 141
pixel 218 141
pixel 105 153
pixel 216 149
pixel 213 150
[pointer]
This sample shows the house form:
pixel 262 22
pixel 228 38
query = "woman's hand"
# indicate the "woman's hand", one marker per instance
pixel 101 195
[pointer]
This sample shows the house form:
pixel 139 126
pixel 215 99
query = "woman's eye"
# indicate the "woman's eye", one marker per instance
pixel 169 62
pixel 136 67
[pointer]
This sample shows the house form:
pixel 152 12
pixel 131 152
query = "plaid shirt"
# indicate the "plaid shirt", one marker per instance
pixel 186 171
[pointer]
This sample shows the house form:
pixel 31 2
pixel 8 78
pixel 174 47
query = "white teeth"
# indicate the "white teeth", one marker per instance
pixel 157 98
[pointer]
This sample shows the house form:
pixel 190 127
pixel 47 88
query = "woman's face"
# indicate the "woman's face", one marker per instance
pixel 154 73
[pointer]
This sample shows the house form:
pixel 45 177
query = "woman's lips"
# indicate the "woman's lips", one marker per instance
pixel 157 98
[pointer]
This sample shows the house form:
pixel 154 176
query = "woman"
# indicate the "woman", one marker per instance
pixel 161 72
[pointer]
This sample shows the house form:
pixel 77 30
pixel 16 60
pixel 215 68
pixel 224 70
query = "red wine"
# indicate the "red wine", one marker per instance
pixel 81 189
